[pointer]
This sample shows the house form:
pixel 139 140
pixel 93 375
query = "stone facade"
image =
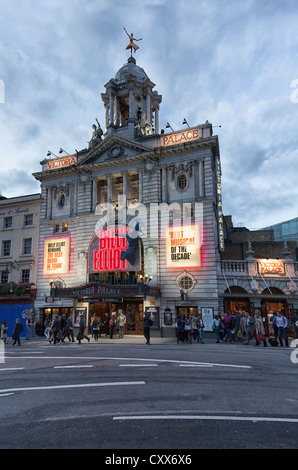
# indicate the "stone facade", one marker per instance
pixel 153 176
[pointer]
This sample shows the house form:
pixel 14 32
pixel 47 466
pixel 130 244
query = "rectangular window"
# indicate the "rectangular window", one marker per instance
pixel 6 248
pixel 4 277
pixel 28 222
pixel 64 227
pixel 56 228
pixel 27 248
pixel 25 275
pixel 8 222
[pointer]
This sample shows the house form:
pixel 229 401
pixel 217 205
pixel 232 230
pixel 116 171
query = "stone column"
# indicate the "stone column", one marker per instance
pixel 164 184
pixel 201 179
pixel 140 186
pixel 157 119
pixel 109 179
pixel 111 109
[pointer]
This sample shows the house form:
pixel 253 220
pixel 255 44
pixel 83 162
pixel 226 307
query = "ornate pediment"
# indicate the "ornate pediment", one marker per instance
pixel 112 149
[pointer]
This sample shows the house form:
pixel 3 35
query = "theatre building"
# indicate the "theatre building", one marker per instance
pixel 133 222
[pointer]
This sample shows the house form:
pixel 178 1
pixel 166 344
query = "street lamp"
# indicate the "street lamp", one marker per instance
pixel 144 282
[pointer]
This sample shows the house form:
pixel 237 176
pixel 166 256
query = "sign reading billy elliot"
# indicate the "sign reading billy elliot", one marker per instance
pixel 114 250
pixel 56 256
pixel 183 247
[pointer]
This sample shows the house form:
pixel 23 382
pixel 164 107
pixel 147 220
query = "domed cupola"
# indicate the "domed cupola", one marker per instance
pixel 132 107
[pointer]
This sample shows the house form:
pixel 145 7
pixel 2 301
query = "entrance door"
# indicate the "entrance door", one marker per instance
pixel 134 318
pixel 132 310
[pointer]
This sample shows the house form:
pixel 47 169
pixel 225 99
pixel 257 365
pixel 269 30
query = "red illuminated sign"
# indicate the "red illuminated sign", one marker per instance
pixel 108 257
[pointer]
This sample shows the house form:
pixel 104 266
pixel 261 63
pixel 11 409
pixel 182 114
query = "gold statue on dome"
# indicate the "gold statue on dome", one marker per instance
pixel 132 46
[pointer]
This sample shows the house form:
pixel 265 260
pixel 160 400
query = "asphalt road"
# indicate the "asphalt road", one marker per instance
pixel 123 395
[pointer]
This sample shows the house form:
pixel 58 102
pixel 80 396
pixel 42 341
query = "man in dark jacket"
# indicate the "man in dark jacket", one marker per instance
pixel 147 323
pixel 57 328
pixel 81 333
pixel 18 329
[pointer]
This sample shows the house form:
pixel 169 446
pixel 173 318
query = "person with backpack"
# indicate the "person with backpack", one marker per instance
pixel 147 324
pixel 18 329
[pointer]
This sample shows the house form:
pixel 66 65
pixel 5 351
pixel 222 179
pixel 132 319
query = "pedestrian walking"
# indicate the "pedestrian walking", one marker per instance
pixel 260 330
pixel 82 326
pixel 95 326
pixel 188 329
pixel 121 324
pixel 3 332
pixel 249 327
pixel 112 325
pixel 216 327
pixel 68 330
pixel 201 327
pixel 106 324
pixel 148 322
pixel 180 329
pixel 18 329
pixel 282 325
pixel 227 326
pixel 57 329
pixel 274 327
pixel 47 329
pixel 29 324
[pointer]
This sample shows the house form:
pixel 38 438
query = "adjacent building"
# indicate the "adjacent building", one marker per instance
pixel 19 240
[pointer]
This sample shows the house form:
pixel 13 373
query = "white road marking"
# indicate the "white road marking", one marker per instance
pixel 73 367
pixel 254 419
pixel 12 368
pixel 6 395
pixel 197 365
pixel 105 358
pixel 59 387
pixel 138 365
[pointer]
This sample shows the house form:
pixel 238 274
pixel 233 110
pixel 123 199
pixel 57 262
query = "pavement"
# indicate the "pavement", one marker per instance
pixel 139 339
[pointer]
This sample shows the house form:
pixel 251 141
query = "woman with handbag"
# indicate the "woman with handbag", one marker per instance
pixel 260 330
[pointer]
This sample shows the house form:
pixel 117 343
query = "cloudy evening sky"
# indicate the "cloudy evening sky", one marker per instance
pixel 231 63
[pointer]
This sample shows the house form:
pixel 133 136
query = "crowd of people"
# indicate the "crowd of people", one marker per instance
pixel 242 327
pixel 238 327
pixel 189 328
pixel 232 327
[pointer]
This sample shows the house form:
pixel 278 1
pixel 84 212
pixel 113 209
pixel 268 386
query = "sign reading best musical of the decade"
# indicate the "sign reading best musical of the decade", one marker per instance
pixel 56 256
pixel 183 247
